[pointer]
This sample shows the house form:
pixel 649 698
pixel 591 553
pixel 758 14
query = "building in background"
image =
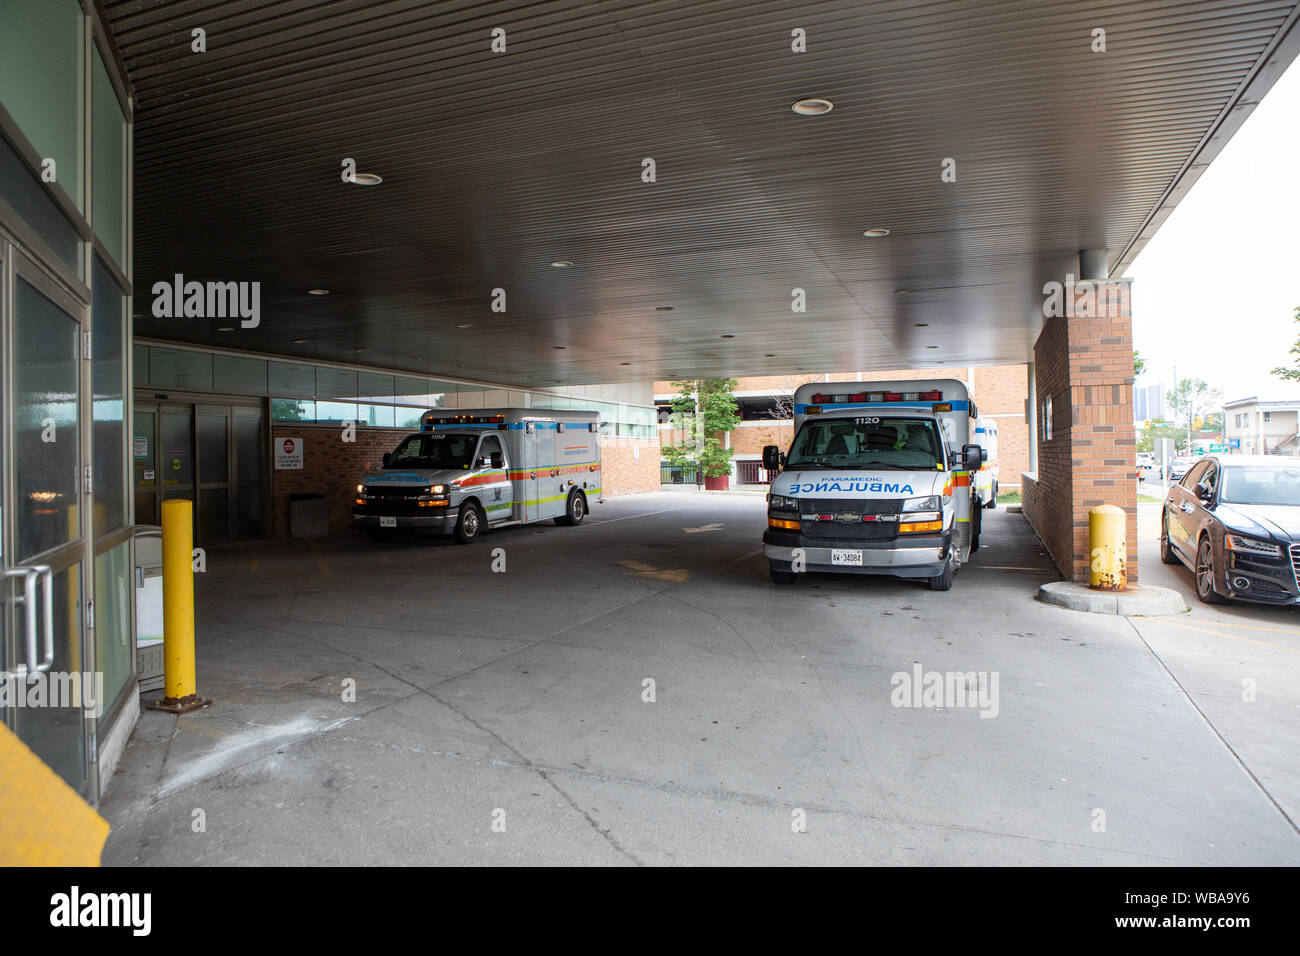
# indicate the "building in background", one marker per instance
pixel 767 412
pixel 1255 426
pixel 1149 402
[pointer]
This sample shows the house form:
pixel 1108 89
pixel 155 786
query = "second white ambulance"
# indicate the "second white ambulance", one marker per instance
pixel 877 481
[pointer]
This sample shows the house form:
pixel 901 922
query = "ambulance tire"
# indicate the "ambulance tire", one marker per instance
pixel 993 497
pixel 469 523
pixel 575 509
pixel 782 577
pixel 976 522
pixel 943 582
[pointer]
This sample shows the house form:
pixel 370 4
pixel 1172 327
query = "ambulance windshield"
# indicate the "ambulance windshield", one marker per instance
pixel 434 451
pixel 904 443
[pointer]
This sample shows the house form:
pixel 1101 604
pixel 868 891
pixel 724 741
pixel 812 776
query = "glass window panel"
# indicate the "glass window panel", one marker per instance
pixel 381 416
pixel 109 164
pixel 335 382
pixel 292 410
pixel 177 452
pixel 468 396
pixel 214 514
pixel 408 417
pixel 442 394
pixel 248 512
pixel 291 381
pixel 55 733
pixel 109 435
pixel 336 412
pixel 412 391
pixel 374 387
pixel 46 423
pixel 114 597
pixel 140 364
pixel 239 376
pixel 40 81
pixel 178 368
pixel 21 189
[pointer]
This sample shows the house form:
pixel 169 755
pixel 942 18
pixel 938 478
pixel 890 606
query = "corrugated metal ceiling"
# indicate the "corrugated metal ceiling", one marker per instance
pixel 495 164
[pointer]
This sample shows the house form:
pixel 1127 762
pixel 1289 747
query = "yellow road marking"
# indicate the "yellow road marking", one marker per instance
pixel 1233 637
pixel 650 571
pixel 257 556
pixel 320 562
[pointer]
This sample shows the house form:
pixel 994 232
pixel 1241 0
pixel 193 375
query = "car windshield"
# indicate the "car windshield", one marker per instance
pixel 909 443
pixel 434 451
pixel 1263 485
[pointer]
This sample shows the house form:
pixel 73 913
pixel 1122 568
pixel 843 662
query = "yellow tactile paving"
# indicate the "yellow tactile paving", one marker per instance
pixel 43 821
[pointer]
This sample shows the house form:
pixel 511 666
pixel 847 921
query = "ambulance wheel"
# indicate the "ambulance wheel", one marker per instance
pixel 574 511
pixel 976 522
pixel 943 582
pixel 993 497
pixel 469 523
pixel 782 577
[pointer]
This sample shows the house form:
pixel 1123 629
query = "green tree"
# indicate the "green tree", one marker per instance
pixel 1146 439
pixel 1139 364
pixel 1193 399
pixel 1291 374
pixel 703 411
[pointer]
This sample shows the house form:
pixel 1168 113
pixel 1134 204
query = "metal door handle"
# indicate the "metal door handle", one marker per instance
pixel 31 577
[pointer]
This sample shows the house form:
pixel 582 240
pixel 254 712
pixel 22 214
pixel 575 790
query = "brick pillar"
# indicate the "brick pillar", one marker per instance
pixel 1083 363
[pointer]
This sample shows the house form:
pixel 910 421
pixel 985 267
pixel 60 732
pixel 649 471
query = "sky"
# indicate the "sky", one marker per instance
pixel 1215 288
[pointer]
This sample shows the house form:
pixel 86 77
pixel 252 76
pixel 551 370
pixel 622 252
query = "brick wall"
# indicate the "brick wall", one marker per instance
pixel 333 467
pixel 1085 363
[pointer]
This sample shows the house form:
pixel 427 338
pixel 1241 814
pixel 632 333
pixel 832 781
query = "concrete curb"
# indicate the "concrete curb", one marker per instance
pixel 1135 602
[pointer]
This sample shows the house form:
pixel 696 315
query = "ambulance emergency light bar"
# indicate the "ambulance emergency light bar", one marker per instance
pixel 933 396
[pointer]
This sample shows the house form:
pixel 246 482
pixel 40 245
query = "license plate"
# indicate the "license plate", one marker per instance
pixel 851 558
pixel 388 522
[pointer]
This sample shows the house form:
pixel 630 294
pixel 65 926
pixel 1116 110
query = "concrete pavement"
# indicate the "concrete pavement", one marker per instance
pixel 506 717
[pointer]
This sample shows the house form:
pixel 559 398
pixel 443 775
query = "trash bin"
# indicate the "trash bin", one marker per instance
pixel 148 608
pixel 309 516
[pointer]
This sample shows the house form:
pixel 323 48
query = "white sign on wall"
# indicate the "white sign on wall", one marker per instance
pixel 288 454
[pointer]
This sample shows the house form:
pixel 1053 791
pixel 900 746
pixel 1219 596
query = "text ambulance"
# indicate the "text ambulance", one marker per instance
pixel 468 470
pixel 877 481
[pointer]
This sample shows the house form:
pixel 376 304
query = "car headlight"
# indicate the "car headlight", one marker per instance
pixel 1236 542
pixel 435 489
pixel 782 503
pixel 930 503
pixel 361 489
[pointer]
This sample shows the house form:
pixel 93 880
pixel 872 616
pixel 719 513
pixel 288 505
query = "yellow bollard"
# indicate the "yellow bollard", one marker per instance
pixel 178 609
pixel 1108 546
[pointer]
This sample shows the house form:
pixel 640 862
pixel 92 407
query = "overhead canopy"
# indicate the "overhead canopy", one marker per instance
pixel 496 164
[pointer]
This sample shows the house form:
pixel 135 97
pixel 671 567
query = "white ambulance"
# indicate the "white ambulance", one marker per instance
pixel 877 481
pixel 468 470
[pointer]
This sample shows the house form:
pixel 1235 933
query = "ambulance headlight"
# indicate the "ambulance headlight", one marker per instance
pixel 361 489
pixel 435 490
pixel 930 503
pixel 782 503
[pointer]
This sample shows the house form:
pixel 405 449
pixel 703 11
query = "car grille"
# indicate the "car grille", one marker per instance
pixel 1295 564
pixel 854 529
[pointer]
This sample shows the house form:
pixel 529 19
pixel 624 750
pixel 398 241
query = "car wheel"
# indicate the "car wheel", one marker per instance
pixel 469 523
pixel 782 577
pixel 574 510
pixel 1205 573
pixel 1166 549
pixel 943 582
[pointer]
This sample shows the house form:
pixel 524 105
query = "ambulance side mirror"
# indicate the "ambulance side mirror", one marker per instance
pixel 772 458
pixel 388 456
pixel 972 456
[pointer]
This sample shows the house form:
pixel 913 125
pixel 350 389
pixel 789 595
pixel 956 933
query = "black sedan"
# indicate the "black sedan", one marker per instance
pixel 1234 520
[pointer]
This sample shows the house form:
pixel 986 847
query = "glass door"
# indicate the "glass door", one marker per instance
pixel 45 521
pixel 144 455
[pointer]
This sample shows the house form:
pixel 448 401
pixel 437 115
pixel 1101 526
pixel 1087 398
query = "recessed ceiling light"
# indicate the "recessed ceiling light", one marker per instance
pixel 875 233
pixel 365 179
pixel 769 355
pixel 624 363
pixel 663 308
pixel 813 106
pixel 921 325
pixel 561 264
pixel 932 346
pixel 727 335
pixel 559 346
pixel 301 341
pixel 318 291
pixel 359 351
pixel 902 292
pixel 226 328
pixel 465 325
